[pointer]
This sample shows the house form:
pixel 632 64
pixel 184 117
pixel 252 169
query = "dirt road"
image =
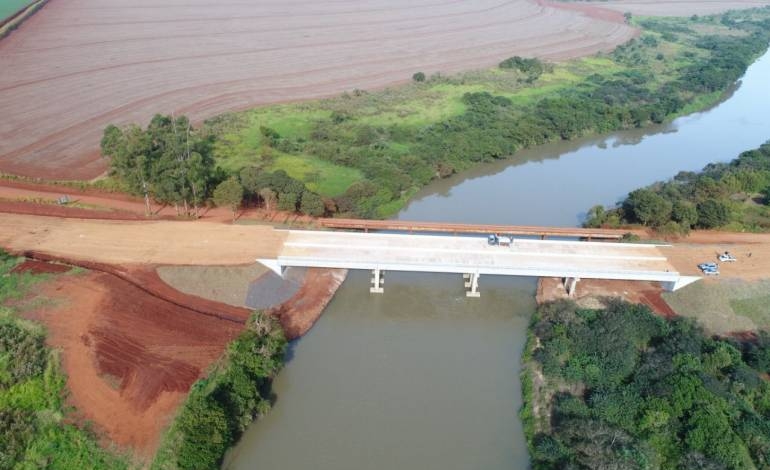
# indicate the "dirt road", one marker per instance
pixel 146 242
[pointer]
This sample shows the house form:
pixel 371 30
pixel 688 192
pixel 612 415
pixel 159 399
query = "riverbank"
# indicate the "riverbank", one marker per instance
pixel 432 129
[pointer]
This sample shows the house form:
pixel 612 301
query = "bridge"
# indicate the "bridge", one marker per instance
pixel 473 257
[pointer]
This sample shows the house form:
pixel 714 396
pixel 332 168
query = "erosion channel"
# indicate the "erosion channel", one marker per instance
pixel 421 377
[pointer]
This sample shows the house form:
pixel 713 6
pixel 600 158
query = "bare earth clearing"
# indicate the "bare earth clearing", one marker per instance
pixel 78 65
pixel 130 358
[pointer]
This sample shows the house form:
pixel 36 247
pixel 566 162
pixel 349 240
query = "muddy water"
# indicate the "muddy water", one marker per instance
pixel 555 184
pixel 423 378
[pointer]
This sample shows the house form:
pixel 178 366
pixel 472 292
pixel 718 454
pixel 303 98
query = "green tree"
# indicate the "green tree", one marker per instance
pixel 647 207
pixel 312 204
pixel 713 213
pixel 684 213
pixel 287 202
pixel 229 193
pixel 131 160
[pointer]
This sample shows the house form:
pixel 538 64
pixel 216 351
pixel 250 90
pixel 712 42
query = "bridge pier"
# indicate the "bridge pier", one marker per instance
pixel 377 282
pixel 570 285
pixel 472 282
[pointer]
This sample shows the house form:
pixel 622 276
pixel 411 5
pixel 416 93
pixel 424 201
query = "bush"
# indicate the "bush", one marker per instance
pixel 418 77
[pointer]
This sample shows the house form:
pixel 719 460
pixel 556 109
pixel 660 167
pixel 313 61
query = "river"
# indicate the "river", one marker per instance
pixel 421 377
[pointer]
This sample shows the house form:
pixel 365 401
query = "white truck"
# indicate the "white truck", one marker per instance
pixel 495 239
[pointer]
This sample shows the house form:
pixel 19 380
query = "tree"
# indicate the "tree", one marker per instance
pixel 713 213
pixel 287 202
pixel 130 156
pixel 229 193
pixel 269 196
pixel 312 204
pixel 684 213
pixel 418 77
pixel 647 207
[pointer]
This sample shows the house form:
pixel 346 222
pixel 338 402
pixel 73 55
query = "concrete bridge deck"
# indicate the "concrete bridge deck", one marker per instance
pixel 473 256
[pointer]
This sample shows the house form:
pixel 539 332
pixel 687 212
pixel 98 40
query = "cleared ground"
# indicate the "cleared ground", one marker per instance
pixel 78 65
pixel 119 242
pixel 129 357
pixel 726 305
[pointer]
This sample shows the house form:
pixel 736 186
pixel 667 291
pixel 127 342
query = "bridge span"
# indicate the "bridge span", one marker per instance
pixel 473 257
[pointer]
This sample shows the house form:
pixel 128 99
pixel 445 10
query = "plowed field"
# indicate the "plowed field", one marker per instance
pixel 78 65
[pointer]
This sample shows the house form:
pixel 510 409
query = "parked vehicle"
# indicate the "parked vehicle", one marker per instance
pixel 703 266
pixel 727 257
pixel 495 239
pixel 711 272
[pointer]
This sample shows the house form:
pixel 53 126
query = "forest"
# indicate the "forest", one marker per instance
pixel 622 388
pixel 734 195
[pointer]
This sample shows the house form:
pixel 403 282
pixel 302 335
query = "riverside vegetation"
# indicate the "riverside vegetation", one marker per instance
pixel 365 153
pixel 734 195
pixel 34 430
pixel 622 388
pixel 222 405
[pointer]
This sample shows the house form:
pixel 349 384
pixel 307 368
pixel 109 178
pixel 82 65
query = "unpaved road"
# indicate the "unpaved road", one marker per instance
pixel 78 65
pixel 155 242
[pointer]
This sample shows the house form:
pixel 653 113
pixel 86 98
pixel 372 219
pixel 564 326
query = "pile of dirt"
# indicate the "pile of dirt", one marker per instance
pixel 130 357
pixel 590 293
pixel 298 314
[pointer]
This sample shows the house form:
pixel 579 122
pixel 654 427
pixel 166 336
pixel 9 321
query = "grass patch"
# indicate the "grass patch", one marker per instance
pixel 324 178
pixel 724 306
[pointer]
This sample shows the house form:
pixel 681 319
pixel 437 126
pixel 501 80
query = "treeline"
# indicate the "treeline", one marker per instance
pixel 622 388
pixel 737 192
pixel 649 80
pixel 221 406
pixel 494 127
pixel 170 162
pixel 34 431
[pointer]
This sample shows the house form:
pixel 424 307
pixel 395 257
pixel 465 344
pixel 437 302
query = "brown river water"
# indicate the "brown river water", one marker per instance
pixel 421 377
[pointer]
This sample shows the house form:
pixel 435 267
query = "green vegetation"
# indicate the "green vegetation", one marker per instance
pixel 34 432
pixel 733 195
pixel 622 388
pixel 170 162
pixel 221 406
pixel 229 194
pixel 9 7
pixel 365 153
pixel 392 142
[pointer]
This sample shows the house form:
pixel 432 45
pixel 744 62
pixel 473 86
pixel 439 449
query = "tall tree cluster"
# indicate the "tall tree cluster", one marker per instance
pixel 169 162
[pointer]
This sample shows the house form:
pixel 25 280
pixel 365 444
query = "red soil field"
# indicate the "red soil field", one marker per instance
pixel 679 7
pixel 78 65
pixel 130 357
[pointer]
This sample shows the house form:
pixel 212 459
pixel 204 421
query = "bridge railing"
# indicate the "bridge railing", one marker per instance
pixel 410 226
